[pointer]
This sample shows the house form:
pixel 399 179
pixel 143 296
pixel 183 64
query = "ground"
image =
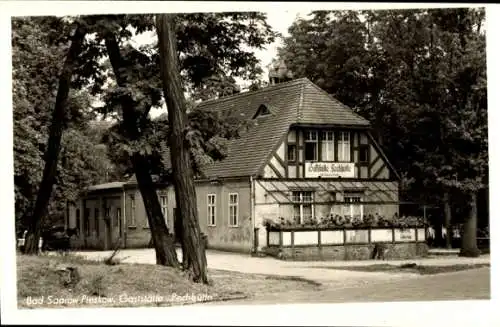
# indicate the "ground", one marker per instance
pixel 472 284
pixel 44 281
pixel 242 279
pixel 345 281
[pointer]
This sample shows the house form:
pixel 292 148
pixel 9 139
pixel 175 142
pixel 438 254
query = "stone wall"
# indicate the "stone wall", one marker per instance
pixel 347 252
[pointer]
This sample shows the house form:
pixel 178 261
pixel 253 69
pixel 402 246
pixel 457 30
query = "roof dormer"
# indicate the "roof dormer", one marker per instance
pixel 262 111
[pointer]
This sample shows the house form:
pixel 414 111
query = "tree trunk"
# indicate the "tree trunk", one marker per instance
pixel 469 240
pixel 180 153
pixel 163 242
pixel 447 219
pixel 179 238
pixel 51 155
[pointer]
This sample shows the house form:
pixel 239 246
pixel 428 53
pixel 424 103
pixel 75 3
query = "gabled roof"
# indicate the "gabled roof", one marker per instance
pixel 295 102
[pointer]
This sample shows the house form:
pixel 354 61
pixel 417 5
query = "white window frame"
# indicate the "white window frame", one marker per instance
pixel 327 146
pixel 164 205
pixel 235 206
pixel 333 197
pixel 301 203
pixel 309 139
pixel 350 201
pixel 344 142
pixel 211 210
pixel 288 152
pixel 132 222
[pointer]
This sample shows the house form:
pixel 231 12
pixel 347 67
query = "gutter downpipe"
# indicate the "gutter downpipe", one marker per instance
pixel 252 212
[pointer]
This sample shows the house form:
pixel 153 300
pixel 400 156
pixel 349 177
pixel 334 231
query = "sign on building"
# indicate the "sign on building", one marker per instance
pixel 404 235
pixel 330 169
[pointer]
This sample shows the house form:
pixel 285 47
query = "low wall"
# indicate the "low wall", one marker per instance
pixel 345 244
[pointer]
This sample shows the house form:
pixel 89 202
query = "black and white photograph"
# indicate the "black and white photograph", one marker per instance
pixel 250 156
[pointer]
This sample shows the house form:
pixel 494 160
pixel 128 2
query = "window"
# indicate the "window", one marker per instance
pixel 96 221
pixel 332 197
pixel 311 145
pixel 86 222
pixel 262 111
pixel 211 209
pixel 303 207
pixel 132 211
pixel 119 219
pixel 344 147
pixel 292 152
pixel 233 209
pixel 327 146
pixel 353 205
pixel 77 221
pixel 164 206
pixel 364 154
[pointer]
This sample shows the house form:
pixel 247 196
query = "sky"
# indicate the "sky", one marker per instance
pixel 280 21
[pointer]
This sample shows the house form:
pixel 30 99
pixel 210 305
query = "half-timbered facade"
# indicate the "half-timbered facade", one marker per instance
pixel 305 155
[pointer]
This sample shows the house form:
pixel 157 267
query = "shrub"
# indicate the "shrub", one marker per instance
pixel 333 221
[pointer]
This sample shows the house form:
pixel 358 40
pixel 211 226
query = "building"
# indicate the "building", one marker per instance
pixel 306 155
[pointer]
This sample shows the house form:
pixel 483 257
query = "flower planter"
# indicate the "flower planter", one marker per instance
pixel 344 243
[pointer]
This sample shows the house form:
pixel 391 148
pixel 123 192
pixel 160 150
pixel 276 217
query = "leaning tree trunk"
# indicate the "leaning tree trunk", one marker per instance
pixel 163 242
pixel 180 152
pixel 469 237
pixel 51 155
pixel 179 238
pixel 447 219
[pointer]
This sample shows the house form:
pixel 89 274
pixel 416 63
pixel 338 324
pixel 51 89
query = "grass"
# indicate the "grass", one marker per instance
pixel 413 268
pixel 133 285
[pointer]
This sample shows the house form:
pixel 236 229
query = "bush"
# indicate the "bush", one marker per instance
pixel 338 221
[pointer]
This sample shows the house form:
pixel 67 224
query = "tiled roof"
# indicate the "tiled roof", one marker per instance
pixel 295 102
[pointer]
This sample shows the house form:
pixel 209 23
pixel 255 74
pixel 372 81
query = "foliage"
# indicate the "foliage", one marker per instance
pixel 36 60
pixel 208 134
pixel 209 65
pixel 418 75
pixel 214 49
pixel 338 221
pixel 39 45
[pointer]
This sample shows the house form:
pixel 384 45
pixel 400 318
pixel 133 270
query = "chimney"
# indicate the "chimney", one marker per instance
pixel 278 72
